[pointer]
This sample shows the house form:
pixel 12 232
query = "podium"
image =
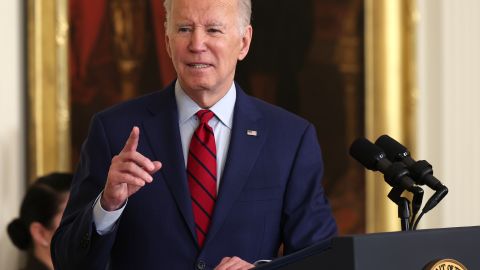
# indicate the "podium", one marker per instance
pixel 394 251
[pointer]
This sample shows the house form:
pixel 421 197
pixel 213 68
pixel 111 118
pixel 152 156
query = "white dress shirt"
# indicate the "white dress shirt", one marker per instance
pixel 187 122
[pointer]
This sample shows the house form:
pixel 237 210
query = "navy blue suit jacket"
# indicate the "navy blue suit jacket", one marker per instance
pixel 270 191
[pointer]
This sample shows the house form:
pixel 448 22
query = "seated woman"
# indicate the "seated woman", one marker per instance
pixel 40 214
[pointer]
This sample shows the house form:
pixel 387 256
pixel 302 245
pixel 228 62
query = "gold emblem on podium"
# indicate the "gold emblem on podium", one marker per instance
pixel 445 264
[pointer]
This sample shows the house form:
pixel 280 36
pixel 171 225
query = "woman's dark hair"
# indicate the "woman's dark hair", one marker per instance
pixel 40 204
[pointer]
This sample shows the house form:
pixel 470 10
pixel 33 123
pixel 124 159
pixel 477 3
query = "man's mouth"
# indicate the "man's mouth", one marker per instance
pixel 199 66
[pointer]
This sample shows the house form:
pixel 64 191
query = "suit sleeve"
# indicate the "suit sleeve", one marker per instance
pixel 76 244
pixel 307 216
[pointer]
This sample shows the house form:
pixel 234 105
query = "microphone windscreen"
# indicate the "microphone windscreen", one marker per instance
pixel 367 153
pixel 394 150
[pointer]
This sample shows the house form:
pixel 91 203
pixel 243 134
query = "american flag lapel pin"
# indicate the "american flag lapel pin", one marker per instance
pixel 251 132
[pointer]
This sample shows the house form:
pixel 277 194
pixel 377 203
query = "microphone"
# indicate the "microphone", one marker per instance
pixel 373 158
pixel 421 171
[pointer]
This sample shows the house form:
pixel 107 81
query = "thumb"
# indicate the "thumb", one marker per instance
pixel 157 165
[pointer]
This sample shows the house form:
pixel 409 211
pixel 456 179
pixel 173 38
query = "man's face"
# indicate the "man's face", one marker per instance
pixel 205 43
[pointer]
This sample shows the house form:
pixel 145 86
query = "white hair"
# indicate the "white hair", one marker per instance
pixel 245 7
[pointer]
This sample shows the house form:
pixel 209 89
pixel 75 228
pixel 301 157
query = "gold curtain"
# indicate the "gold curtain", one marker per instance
pixel 48 98
pixel 390 93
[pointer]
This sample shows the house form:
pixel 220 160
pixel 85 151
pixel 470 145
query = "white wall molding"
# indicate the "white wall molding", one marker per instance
pixel 12 137
pixel 449 106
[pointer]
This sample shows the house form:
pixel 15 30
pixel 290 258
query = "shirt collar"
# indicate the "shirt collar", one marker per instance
pixel 223 109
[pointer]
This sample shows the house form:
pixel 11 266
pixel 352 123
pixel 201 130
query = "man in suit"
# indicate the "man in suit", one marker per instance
pixel 199 175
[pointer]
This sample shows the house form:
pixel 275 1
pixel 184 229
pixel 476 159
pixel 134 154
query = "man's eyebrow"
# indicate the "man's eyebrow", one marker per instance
pixel 183 24
pixel 208 24
pixel 215 23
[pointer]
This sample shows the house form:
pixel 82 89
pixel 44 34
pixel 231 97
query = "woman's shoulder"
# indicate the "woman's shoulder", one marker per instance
pixel 34 264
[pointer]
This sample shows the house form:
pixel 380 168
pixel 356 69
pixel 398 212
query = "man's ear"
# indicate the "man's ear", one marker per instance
pixel 246 40
pixel 40 234
pixel 167 43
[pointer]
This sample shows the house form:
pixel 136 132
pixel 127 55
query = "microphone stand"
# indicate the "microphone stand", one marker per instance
pixel 416 203
pixel 395 195
pixel 403 206
pixel 431 203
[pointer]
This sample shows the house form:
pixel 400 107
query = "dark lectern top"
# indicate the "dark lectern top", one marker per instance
pixel 396 250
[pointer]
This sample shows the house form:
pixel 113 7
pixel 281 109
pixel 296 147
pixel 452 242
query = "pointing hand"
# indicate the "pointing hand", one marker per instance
pixel 129 171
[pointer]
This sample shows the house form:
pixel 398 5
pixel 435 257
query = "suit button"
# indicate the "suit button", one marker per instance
pixel 201 265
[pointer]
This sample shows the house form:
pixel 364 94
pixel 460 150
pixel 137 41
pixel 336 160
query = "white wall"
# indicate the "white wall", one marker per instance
pixel 449 106
pixel 12 133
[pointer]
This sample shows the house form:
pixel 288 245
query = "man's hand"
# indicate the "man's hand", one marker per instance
pixel 233 263
pixel 129 171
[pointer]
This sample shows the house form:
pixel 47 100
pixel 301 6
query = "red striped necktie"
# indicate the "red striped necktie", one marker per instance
pixel 202 174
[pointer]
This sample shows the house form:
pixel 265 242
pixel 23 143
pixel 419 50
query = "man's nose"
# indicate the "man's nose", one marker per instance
pixel 197 40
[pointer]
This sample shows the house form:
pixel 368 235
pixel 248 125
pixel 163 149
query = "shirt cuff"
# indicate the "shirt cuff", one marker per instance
pixel 105 220
pixel 261 262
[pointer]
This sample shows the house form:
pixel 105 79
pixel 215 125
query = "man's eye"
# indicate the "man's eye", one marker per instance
pixel 183 29
pixel 214 30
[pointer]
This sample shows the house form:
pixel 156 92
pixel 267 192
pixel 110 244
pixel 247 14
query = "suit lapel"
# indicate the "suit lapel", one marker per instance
pixel 242 154
pixel 163 135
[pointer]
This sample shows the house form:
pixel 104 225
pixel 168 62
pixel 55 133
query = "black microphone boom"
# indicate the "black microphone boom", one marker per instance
pixel 421 171
pixel 395 174
pixel 373 158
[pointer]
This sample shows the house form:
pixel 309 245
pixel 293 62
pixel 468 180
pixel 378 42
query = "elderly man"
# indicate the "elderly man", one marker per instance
pixel 199 175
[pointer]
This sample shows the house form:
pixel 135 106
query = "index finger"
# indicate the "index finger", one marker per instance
pixel 132 141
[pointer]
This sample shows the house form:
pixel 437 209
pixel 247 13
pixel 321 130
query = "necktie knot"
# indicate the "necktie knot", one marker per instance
pixel 204 116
